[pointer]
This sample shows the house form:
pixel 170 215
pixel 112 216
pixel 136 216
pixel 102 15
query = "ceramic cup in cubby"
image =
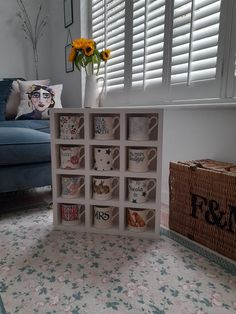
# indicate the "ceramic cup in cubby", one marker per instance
pixel 138 219
pixel 105 157
pixel 139 159
pixel 103 187
pixel 105 127
pixel 139 189
pixel 140 127
pixel 71 126
pixel 71 214
pixel 71 156
pixel 71 186
pixel 103 216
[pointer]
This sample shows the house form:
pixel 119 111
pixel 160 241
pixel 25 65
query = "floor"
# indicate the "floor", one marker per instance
pixel 63 272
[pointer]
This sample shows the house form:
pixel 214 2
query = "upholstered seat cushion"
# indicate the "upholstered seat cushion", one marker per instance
pixel 23 146
pixel 39 125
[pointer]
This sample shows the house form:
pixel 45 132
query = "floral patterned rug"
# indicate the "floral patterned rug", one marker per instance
pixel 47 271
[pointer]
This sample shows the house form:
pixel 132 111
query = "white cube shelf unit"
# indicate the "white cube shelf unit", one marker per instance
pixel 121 170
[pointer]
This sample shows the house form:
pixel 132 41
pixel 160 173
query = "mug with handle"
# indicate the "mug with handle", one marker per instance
pixel 137 219
pixel 138 190
pixel 71 156
pixel 104 217
pixel 103 187
pixel 105 127
pixel 70 127
pixel 139 127
pixel 104 158
pixel 71 186
pixel 139 158
pixel 70 214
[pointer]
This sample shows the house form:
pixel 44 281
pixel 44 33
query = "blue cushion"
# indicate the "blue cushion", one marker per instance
pixel 23 146
pixel 40 125
pixel 5 87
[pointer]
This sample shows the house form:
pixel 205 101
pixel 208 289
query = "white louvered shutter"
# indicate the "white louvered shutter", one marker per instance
pixel 108 22
pixel 148 42
pixel 195 40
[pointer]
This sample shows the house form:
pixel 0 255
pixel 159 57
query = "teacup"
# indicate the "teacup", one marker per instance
pixel 71 214
pixel 103 187
pixel 103 216
pixel 104 158
pixel 105 127
pixel 137 219
pixel 139 158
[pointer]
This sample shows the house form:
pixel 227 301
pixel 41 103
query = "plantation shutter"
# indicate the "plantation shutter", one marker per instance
pixel 195 40
pixel 162 50
pixel 108 23
pixel 148 42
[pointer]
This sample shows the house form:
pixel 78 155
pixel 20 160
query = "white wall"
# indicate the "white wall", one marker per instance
pixel 71 96
pixel 16 57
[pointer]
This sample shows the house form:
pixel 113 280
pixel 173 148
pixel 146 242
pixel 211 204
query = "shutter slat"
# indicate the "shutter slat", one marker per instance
pixel 194 57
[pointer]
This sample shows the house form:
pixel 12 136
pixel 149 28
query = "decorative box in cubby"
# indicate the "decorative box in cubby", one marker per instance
pixel 106 170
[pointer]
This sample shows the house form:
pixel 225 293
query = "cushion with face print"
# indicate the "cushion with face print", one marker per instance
pixel 40 99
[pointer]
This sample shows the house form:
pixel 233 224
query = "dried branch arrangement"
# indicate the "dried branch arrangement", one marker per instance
pixel 32 32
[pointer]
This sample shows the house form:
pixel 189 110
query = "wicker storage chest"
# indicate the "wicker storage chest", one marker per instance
pixel 203 203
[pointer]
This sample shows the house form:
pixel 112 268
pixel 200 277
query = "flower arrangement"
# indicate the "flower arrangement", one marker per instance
pixel 84 54
pixel 32 32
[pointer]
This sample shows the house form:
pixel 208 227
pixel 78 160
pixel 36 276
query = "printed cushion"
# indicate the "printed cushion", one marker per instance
pixel 37 99
pixel 21 90
pixel 5 87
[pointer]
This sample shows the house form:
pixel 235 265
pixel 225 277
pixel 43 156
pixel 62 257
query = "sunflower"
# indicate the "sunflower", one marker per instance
pixel 79 43
pixel 105 54
pixel 72 54
pixel 88 48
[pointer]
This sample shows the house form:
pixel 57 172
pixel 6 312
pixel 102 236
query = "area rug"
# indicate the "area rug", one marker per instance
pixel 2 309
pixel 48 271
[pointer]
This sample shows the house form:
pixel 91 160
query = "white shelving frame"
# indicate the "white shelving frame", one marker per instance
pixel 119 201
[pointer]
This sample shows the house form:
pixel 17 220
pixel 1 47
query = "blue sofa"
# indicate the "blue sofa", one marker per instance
pixel 25 156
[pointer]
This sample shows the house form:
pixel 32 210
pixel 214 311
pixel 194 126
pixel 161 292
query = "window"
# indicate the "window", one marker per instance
pixel 166 50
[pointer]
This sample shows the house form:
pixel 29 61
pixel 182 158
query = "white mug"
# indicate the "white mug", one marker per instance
pixel 104 158
pixel 139 127
pixel 71 186
pixel 137 219
pixel 71 156
pixel 139 158
pixel 105 127
pixel 103 187
pixel 70 127
pixel 103 216
pixel 138 189
pixel 71 214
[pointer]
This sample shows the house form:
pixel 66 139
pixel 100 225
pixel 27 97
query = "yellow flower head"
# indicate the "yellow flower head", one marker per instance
pixel 88 49
pixel 72 54
pixel 79 43
pixel 105 54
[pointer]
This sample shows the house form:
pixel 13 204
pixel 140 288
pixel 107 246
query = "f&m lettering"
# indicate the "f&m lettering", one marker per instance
pixel 212 213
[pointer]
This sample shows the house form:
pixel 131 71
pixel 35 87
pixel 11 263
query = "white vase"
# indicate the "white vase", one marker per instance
pixel 92 95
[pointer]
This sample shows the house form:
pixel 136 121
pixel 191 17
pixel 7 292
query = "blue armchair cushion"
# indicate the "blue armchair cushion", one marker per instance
pixel 5 87
pixel 40 125
pixel 23 146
